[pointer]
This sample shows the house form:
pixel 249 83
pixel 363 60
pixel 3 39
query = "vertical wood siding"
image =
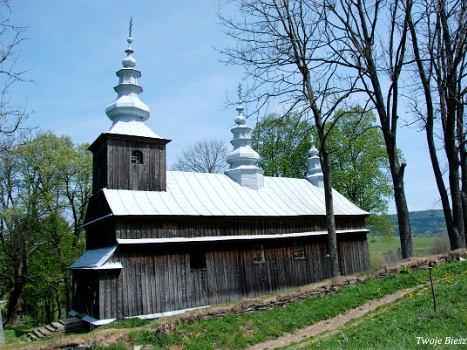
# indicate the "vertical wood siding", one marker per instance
pixel 112 167
pixel 101 235
pixel 353 253
pixel 168 227
pixel 99 167
pixel 148 176
pixel 158 278
pixel 106 232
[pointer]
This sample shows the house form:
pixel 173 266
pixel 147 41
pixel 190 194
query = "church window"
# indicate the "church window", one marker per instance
pixel 258 253
pixel 137 157
pixel 298 250
pixel 197 259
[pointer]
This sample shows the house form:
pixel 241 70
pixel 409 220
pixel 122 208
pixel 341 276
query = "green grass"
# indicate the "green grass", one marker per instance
pixel 238 332
pixel 15 335
pixel 397 327
pixel 409 323
pixel 421 244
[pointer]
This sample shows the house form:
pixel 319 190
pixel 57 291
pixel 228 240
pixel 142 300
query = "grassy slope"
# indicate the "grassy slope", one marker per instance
pixel 237 332
pixel 411 322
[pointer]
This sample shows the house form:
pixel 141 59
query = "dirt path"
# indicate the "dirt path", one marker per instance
pixel 332 323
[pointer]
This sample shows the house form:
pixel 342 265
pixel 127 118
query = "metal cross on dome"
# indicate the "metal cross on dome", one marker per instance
pixel 131 26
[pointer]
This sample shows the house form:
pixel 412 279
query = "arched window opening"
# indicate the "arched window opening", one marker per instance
pixel 137 157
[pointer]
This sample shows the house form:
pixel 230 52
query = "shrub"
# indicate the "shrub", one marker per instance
pixel 440 245
pixel 404 269
pixel 393 257
pixel 377 261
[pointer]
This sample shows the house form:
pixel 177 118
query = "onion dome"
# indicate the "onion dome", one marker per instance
pixel 243 158
pixel 128 112
pixel 315 173
pixel 128 103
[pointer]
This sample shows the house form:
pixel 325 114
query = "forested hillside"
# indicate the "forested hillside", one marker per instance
pixel 426 223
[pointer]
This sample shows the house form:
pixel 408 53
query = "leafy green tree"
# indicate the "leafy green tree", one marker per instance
pixel 43 195
pixel 358 158
pixel 360 166
pixel 283 143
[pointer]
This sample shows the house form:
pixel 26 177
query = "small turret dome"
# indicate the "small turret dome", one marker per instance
pixel 129 61
pixel 243 158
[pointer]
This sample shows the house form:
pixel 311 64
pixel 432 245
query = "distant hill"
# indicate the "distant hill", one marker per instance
pixel 425 223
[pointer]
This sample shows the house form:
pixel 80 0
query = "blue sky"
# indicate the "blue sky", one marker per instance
pixel 74 49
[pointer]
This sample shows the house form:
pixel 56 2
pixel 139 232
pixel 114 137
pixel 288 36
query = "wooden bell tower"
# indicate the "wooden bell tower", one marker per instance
pixel 129 163
pixel 129 156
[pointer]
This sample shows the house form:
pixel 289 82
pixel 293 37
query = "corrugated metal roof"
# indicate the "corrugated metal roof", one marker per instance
pixel 200 194
pixel 95 259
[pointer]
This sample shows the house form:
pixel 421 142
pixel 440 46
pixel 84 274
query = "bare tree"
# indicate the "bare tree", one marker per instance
pixel 11 116
pixel 369 39
pixel 280 43
pixel 206 156
pixel 439 41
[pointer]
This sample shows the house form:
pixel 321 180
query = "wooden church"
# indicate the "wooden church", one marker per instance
pixel 160 242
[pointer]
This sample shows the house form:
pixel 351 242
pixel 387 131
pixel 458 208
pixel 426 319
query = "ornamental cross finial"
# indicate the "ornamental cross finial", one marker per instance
pixel 239 91
pixel 131 26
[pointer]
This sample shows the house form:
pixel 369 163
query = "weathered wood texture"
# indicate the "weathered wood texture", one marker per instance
pixel 113 169
pixel 353 253
pixel 97 207
pixel 214 226
pixel 158 278
pixel 105 233
pixel 86 292
pixel 101 235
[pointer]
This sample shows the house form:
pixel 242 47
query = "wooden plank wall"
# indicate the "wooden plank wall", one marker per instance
pixel 157 279
pixel 122 174
pixel 101 235
pixel 167 227
pixel 105 232
pixel 353 253
pixel 99 166
pixel 97 207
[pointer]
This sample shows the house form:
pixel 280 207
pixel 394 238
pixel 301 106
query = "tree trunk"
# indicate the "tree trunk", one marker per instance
pixel 330 220
pixel 389 127
pixel 15 305
pixel 2 336
pixel 15 302
pixel 327 176
pixel 429 128
pixel 387 109
pixel 456 238
pixel 403 216
pixel 463 158
pixel 439 178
